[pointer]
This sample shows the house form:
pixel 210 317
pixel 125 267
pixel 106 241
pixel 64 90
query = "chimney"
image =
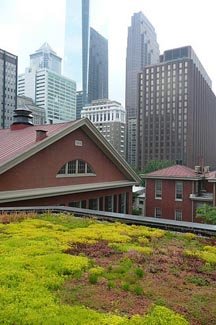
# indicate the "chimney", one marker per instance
pixel 198 169
pixel 40 135
pixel 22 118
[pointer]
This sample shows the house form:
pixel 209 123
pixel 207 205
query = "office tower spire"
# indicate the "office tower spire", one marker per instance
pixel 46 58
pixel 142 49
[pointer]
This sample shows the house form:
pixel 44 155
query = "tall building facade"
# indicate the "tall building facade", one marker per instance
pixel 38 113
pixel 98 67
pixel 50 90
pixel 76 51
pixel 45 58
pixel 177 111
pixel 109 117
pixel 142 49
pixel 79 103
pixel 8 87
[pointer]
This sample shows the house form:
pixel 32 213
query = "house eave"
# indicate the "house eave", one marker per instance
pixel 38 193
pixel 195 178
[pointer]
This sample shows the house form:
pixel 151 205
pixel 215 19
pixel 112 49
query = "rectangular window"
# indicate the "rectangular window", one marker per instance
pixel 158 189
pixel 83 204
pixel 179 191
pixel 75 204
pixel 109 203
pixel 93 204
pixel 178 215
pixel 158 213
pixel 122 205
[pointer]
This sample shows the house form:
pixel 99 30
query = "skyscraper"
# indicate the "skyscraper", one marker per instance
pixel 50 90
pixel 76 52
pixel 98 67
pixel 85 48
pixel 142 49
pixel 46 58
pixel 177 111
pixel 8 87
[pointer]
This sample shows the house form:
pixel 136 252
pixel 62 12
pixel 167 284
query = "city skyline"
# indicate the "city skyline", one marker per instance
pixel 174 28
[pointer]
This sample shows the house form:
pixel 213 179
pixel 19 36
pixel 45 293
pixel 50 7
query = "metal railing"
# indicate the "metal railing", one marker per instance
pixel 181 226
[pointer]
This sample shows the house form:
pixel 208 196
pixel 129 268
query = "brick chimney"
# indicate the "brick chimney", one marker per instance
pixel 40 135
pixel 22 118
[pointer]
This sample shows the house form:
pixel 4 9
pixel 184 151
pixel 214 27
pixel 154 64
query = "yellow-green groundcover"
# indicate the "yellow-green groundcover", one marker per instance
pixel 33 266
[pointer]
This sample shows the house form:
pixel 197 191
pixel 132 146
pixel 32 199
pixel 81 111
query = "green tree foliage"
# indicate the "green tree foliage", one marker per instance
pixel 157 164
pixel 207 213
pixel 152 166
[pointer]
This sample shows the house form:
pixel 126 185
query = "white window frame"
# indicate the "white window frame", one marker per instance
pixel 76 174
pixel 177 214
pixel 156 214
pixel 158 192
pixel 176 191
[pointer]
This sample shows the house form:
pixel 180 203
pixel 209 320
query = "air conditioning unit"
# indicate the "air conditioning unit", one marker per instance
pixel 206 169
pixel 198 169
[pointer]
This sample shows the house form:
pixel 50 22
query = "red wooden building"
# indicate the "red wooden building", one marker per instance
pixel 175 192
pixel 63 164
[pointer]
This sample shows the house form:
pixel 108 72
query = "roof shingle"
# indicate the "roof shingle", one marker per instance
pixel 16 142
pixel 176 171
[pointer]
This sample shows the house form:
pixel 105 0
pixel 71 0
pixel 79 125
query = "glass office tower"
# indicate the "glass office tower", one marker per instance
pixel 76 52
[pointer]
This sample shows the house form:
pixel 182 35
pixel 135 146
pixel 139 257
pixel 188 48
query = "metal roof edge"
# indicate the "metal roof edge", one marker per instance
pixel 195 178
pixel 36 193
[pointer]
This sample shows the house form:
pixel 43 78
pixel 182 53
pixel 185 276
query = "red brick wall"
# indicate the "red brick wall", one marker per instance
pixel 168 204
pixel 208 186
pixel 41 169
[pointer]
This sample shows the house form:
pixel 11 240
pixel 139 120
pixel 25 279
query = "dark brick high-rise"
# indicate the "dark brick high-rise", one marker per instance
pixel 177 111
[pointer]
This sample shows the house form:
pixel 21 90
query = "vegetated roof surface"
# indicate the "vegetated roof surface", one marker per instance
pixel 66 270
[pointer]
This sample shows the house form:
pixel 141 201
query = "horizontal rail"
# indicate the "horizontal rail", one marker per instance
pixel 181 226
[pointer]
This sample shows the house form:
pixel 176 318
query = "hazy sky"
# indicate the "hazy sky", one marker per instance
pixel 26 24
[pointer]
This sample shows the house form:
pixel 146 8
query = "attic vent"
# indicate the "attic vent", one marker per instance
pixel 40 135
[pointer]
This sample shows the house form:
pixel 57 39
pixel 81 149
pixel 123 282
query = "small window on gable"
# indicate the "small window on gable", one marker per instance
pixel 76 168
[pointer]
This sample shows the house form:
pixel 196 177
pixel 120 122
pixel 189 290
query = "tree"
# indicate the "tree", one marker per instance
pixel 157 164
pixel 207 213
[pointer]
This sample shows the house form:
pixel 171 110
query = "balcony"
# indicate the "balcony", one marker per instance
pixel 202 196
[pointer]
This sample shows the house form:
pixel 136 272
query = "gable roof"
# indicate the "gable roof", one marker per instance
pixel 175 171
pixel 19 145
